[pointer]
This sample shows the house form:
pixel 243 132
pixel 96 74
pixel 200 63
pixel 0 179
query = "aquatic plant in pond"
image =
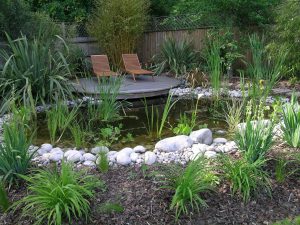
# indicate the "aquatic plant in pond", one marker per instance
pixel 233 115
pixel 155 121
pixel 57 195
pixel 59 118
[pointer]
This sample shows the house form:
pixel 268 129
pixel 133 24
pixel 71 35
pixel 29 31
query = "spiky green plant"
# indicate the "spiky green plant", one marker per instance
pixel 233 115
pixel 78 134
pixel 34 72
pixel 291 123
pixel 246 178
pixel 189 184
pixel 4 202
pixel 103 163
pixel 59 118
pixel 57 195
pixel 175 57
pixel 15 158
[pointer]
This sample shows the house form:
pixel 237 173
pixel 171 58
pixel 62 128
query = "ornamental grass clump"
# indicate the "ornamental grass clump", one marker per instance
pixel 34 72
pixel 246 178
pixel 15 158
pixel 57 196
pixel 291 123
pixel 188 184
pixel 254 138
pixel 177 58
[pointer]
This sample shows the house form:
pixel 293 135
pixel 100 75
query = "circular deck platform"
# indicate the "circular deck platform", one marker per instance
pixel 144 86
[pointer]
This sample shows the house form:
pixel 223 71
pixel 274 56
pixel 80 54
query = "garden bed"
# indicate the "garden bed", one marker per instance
pixel 140 194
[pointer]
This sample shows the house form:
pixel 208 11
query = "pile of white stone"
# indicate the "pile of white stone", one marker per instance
pixel 200 92
pixel 177 149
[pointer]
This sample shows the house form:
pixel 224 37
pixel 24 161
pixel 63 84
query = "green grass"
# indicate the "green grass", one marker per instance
pixel 245 178
pixel 103 164
pixel 255 139
pixel 4 202
pixel 188 184
pixel 14 156
pixel 55 196
pixel 34 72
pixel 291 123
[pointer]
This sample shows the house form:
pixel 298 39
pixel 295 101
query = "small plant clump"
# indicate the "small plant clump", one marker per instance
pixel 57 195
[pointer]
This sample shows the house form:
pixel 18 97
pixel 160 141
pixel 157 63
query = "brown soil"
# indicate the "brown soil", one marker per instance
pixel 146 203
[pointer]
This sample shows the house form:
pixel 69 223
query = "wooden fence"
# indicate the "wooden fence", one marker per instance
pixel 150 43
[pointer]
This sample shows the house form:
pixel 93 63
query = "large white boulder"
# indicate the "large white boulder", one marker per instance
pixel 45 148
pixel 203 136
pixel 99 149
pixel 56 154
pixel 150 158
pixel 134 156
pixel 73 156
pixel 220 140
pixel 123 156
pixel 173 144
pixel 89 157
pixel 139 149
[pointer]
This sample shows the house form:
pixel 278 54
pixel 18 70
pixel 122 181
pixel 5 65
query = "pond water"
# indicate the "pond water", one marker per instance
pixel 134 122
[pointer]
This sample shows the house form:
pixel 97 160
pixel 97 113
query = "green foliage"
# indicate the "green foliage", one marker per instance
pixel 33 72
pixel 14 156
pixel 56 195
pixel 177 58
pixel 59 119
pixel 156 121
pixel 282 172
pixel 109 207
pixel 264 70
pixel 118 27
pixel 229 12
pixel 285 36
pixel 4 202
pixel 109 107
pixel 214 64
pixel 291 123
pixel 103 164
pixel 255 138
pixel 110 134
pixel 246 178
pixel 186 124
pixel 233 115
pixel 294 221
pixel 65 10
pixel 78 134
pixel 189 184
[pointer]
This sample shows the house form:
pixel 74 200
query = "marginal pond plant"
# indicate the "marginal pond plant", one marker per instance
pixel 57 195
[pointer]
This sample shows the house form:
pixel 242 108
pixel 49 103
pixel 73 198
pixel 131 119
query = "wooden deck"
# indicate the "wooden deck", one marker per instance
pixel 144 86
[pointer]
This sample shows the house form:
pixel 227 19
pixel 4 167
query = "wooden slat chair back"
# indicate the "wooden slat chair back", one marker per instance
pixel 132 65
pixel 101 65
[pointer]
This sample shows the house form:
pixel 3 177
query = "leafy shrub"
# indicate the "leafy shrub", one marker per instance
pixel 286 37
pixel 291 123
pixel 33 72
pixel 14 156
pixel 56 195
pixel 246 178
pixel 118 27
pixel 175 57
pixel 188 185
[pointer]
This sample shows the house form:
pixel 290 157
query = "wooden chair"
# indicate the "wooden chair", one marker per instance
pixel 101 66
pixel 132 66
